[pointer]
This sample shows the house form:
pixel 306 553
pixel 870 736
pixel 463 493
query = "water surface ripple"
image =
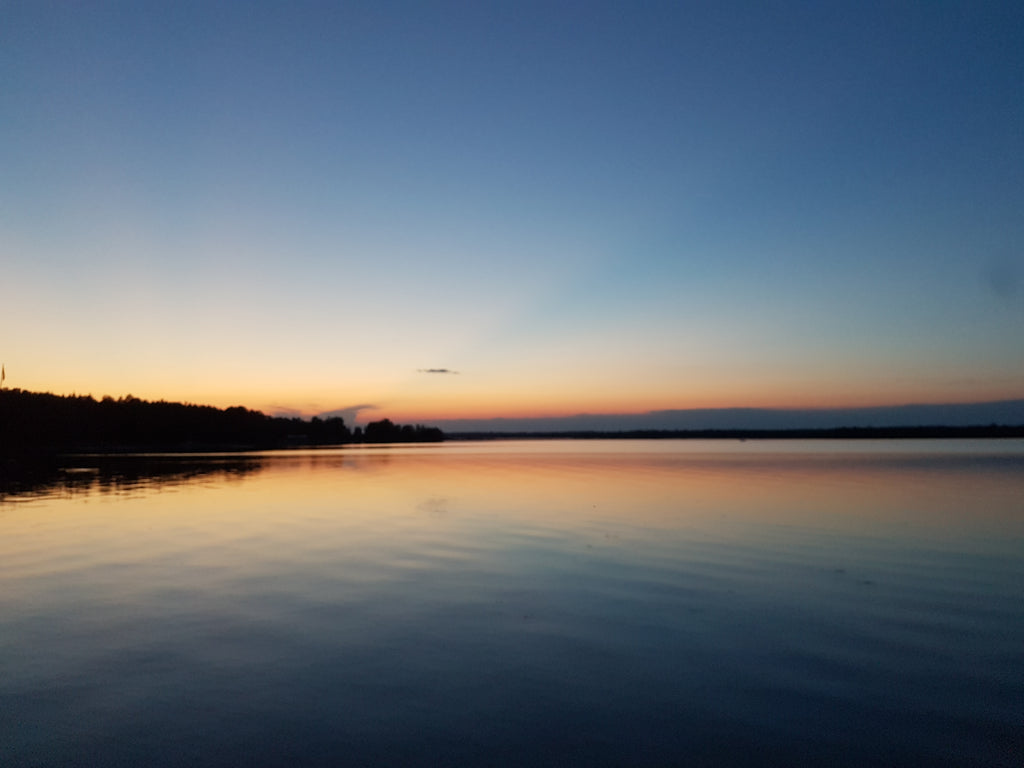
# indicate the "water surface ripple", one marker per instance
pixel 544 603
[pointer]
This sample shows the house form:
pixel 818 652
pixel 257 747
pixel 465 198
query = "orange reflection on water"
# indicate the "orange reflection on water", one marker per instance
pixel 664 484
pixel 356 503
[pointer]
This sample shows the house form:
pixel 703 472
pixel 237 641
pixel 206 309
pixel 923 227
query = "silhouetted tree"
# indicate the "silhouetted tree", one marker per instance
pixel 36 422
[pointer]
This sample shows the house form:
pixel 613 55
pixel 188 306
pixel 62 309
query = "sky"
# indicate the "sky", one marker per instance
pixel 440 210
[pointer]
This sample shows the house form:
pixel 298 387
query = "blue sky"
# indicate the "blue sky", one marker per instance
pixel 603 207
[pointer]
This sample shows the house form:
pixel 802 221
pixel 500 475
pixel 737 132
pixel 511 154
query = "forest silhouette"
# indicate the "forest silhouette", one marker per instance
pixel 41 422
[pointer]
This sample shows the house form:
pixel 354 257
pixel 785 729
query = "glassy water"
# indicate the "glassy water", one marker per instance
pixel 523 603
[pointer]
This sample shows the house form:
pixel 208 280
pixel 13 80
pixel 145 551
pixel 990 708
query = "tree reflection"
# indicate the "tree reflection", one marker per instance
pixel 26 480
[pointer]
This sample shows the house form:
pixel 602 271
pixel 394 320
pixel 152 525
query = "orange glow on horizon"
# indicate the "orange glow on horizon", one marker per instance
pixel 463 397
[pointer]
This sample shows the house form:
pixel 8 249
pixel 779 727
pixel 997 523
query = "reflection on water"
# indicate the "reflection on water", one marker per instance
pixel 107 474
pixel 594 603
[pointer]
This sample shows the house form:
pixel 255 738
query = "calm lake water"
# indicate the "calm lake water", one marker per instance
pixel 520 603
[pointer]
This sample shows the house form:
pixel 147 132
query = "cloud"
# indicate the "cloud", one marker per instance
pixel 350 413
pixel 437 370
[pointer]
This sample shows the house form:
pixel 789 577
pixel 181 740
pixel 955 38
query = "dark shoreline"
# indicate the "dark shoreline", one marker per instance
pixel 44 424
pixel 991 431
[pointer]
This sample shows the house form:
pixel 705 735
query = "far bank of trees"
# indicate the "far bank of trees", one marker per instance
pixel 40 422
pixel 384 431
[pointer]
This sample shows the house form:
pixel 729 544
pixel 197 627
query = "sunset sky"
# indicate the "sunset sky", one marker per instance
pixel 428 210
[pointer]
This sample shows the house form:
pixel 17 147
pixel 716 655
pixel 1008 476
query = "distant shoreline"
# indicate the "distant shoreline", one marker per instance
pixel 836 433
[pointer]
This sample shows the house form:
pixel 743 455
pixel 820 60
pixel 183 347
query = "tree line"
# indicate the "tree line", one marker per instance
pixel 41 422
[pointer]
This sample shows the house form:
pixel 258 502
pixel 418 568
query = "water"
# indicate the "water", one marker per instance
pixel 536 603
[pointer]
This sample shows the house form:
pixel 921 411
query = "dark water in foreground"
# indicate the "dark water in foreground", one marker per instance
pixel 579 603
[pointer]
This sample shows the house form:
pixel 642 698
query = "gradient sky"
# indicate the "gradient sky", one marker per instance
pixel 577 207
